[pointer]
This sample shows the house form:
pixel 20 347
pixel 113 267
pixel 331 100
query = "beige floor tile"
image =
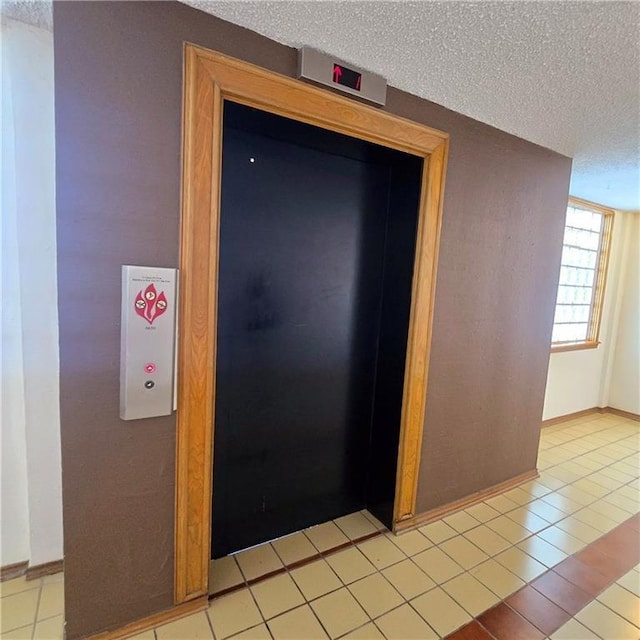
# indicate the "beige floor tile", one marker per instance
pixel 461 521
pixel 53 629
pixel 411 542
pixel 564 475
pixel 609 510
pixel 482 512
pixel 315 579
pixel 350 565
pixel 605 623
pixel 233 613
pixel 18 610
pixel 404 623
pixel 487 540
pixel 375 595
pixel 508 529
pixel 528 519
pixel 17 585
pixel 258 561
pixel 562 540
pixel 591 487
pixel 440 611
pixel 605 481
pixel 298 624
pixel 573 630
pixel 54 577
pixel 518 496
pixel 542 551
pixel 294 548
pixel 497 578
pixel 521 564
pixel 259 632
pixel 438 531
pixel 579 529
pixel 612 478
pixel 23 633
pixel 145 635
pixel 408 579
pixel 381 552
pixel 549 481
pixel 631 582
pixel 623 602
pixel 630 493
pixel 326 536
pixel 630 506
pixel 193 627
pixel 501 503
pixel 339 612
pixel 376 523
pixel 355 525
pixel 471 594
pixel 577 495
pixel 595 520
pixel 546 511
pixel 277 595
pixel 367 632
pixel 437 565
pixel 535 488
pixel 465 553
pixel 224 573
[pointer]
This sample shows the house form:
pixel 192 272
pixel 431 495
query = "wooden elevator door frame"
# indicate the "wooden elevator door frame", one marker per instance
pixel 209 79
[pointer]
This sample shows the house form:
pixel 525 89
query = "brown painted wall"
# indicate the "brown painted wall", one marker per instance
pixel 118 119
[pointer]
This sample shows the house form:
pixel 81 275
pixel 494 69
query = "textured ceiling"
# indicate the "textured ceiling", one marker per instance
pixel 38 13
pixel 565 75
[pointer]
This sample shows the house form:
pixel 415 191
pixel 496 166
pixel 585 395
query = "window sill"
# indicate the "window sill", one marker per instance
pixel 574 346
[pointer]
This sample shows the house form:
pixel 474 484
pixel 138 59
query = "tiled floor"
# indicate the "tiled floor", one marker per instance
pixel 555 558
pixel 32 610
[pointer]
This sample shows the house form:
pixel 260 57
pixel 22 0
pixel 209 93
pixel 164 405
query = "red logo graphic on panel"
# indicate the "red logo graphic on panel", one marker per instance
pixel 150 304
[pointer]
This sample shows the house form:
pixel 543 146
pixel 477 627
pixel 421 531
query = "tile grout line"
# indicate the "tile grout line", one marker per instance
pixel 287 568
pixel 616 483
pixel 457 534
pixel 529 583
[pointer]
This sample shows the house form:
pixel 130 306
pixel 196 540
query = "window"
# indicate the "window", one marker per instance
pixel 585 249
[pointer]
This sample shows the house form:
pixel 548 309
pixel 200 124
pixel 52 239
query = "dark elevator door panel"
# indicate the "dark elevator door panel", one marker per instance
pixel 301 260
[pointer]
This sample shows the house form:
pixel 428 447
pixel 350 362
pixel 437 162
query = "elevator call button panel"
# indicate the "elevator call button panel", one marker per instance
pixel 148 335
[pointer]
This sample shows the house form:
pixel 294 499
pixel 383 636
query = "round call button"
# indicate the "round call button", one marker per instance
pixel 150 367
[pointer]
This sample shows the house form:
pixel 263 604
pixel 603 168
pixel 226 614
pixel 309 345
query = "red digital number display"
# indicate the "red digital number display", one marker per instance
pixel 346 77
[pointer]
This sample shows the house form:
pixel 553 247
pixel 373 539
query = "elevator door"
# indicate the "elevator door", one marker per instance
pixel 302 241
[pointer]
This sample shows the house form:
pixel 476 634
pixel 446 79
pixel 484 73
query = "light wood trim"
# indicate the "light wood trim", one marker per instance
pixel 560 347
pixel 621 413
pixel 211 78
pixel 586 204
pixel 464 503
pixel 420 328
pixel 586 412
pixel 600 280
pixel 45 569
pixel 196 354
pixel 570 416
pixel 256 87
pixel 15 570
pixel 152 621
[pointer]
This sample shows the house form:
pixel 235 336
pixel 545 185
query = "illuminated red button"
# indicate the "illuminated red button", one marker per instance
pixel 150 367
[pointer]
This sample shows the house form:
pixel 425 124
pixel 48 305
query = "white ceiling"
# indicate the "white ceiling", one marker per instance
pixel 565 75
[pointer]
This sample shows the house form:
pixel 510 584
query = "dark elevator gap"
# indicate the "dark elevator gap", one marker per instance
pixel 317 243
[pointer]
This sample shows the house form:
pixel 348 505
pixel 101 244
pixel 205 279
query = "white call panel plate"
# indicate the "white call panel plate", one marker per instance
pixel 147 350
